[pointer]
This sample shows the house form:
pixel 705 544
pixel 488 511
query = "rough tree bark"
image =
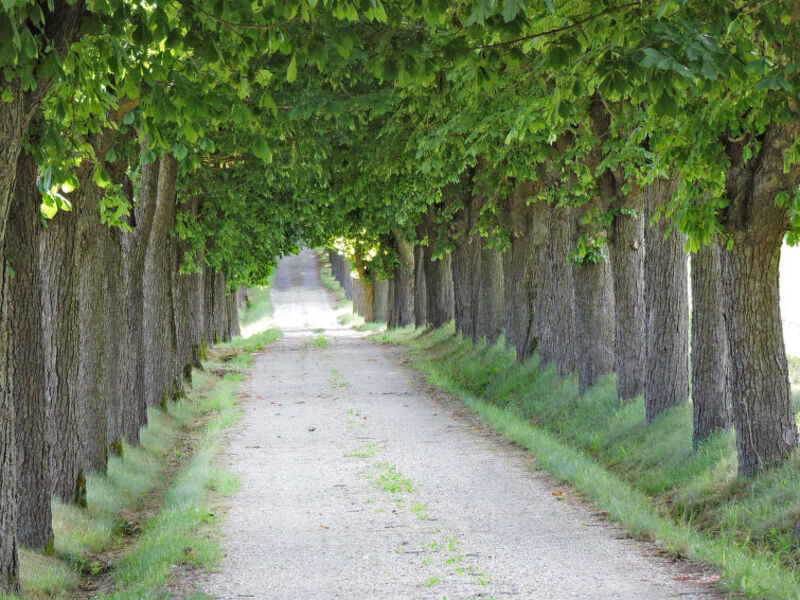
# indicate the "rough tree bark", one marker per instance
pixel 562 289
pixel 59 272
pixel 489 309
pixel 627 260
pixel 62 22
pixel 666 296
pixel 519 325
pixel 594 316
pixel 134 250
pixel 9 562
pixel 402 309
pixel 34 528
pixel 711 397
pixel 420 291
pixel 464 264
pixel 438 278
pixel 92 360
pixel 765 428
pixel 159 321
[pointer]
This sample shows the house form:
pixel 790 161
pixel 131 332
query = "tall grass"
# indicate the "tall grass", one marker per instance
pixel 649 477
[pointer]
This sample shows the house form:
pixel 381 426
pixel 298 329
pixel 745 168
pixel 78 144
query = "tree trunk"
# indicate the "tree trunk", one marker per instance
pixel 119 359
pixel 490 306
pixel 627 258
pixel 34 527
pixel 594 320
pixel 59 271
pixel 367 286
pixel 562 289
pixel 220 307
pixel 380 301
pixel 403 297
pixel 134 249
pixel 464 263
pixel 666 295
pixel 420 291
pixel 233 316
pixel 62 24
pixel 711 397
pixel 9 565
pixel 438 279
pixel 92 361
pixel 765 428
pixel 159 321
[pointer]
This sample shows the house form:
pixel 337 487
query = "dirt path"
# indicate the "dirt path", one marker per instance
pixel 357 484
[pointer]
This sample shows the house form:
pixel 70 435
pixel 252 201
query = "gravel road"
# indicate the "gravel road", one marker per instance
pixel 358 483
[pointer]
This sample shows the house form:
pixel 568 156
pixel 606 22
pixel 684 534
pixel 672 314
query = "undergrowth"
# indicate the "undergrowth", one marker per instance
pixel 649 477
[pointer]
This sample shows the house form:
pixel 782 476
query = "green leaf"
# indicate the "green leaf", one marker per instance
pixel 291 70
pixel 101 177
pixel 262 151
pixel 510 8
pixel 180 150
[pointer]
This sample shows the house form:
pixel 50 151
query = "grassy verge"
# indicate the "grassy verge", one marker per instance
pixel 649 478
pixel 153 508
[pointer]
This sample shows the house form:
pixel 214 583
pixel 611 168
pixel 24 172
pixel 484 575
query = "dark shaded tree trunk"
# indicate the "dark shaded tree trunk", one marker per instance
pixel 765 428
pixel 667 303
pixel 159 320
pixel 208 305
pixel 62 25
pixel 711 398
pixel 9 562
pixel 562 288
pixel 402 306
pixel 438 278
pixel 420 290
pixel 465 262
pixel 12 127
pixel 528 302
pixel 118 343
pixel 627 259
pixel 134 249
pixel 34 527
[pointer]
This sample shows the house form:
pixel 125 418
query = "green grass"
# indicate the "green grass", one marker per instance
pixel 320 341
pixel 649 478
pixel 178 535
pixel 82 533
pixel 259 307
